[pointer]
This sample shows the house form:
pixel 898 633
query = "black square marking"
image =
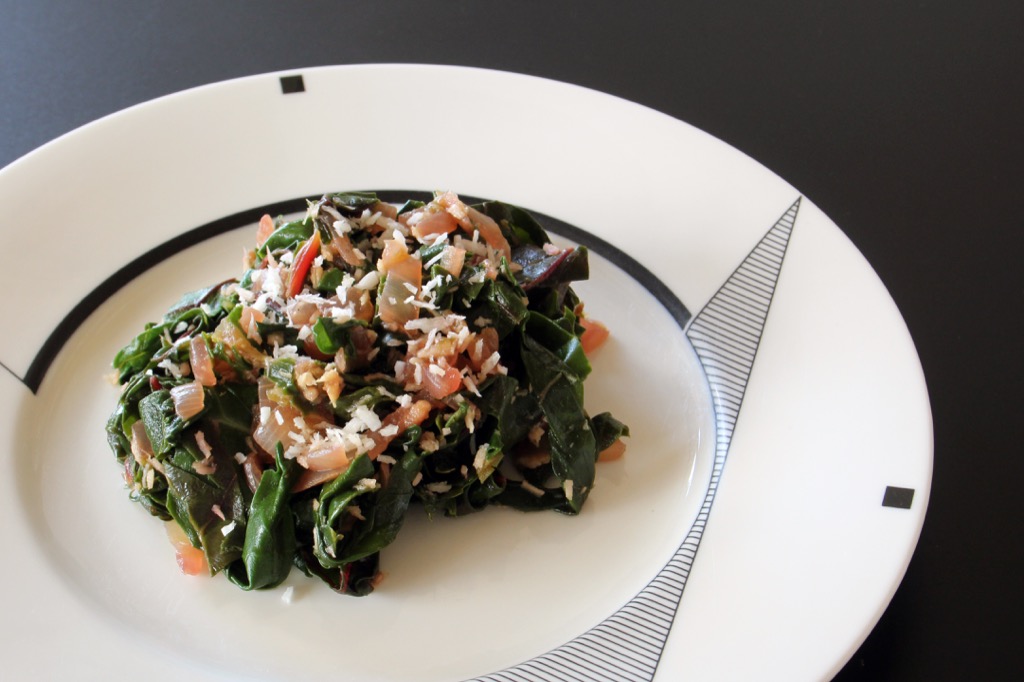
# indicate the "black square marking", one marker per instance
pixel 900 498
pixel 292 84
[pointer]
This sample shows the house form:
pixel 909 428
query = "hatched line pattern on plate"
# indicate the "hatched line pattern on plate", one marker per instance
pixel 725 334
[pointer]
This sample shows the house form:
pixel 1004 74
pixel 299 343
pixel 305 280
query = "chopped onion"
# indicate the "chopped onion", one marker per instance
pixel 232 337
pixel 308 478
pixel 403 417
pixel 188 399
pixel 142 449
pixel 327 456
pixel 392 303
pixel 452 260
pixel 270 429
pixel 253 471
pixel 202 364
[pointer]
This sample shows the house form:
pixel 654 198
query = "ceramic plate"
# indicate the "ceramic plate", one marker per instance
pixel 776 479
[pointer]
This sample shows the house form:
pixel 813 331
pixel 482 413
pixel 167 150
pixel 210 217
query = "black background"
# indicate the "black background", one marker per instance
pixel 902 121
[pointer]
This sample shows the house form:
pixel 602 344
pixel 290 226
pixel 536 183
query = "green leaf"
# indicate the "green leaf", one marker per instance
pixel 331 280
pixel 607 429
pixel 193 498
pixel 370 396
pixel 331 336
pixel 138 353
pixel 287 236
pixel 559 391
pixel 385 517
pixel 163 425
pixel 502 303
pixel 332 511
pixel 353 203
pixel 564 344
pixel 514 411
pixel 517 225
pixel 270 534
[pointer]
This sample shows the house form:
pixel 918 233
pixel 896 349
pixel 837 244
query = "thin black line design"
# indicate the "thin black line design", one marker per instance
pixel 10 371
pixel 725 335
pixel 627 646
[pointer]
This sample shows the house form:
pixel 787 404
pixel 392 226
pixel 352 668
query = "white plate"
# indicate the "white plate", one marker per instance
pixel 757 527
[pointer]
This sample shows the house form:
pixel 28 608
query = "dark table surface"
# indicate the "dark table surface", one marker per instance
pixel 902 121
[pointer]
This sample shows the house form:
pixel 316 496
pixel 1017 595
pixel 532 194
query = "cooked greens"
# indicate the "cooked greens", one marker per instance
pixel 369 358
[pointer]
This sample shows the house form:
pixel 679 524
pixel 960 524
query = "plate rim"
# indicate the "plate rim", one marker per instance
pixel 922 501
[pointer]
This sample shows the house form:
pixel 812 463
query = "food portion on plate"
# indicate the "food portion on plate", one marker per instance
pixel 370 357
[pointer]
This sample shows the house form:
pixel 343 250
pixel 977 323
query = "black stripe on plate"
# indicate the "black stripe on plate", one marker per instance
pixel 110 286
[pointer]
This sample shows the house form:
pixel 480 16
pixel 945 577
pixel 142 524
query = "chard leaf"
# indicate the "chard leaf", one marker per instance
pixel 195 299
pixel 607 429
pixel 282 372
pixel 544 270
pixel 331 280
pixel 227 416
pixel 192 499
pixel 270 533
pixel 332 512
pixel 559 392
pixel 136 356
pixel 514 411
pixel 564 344
pixel 353 203
pixel 387 511
pixel 331 336
pixel 518 497
pixel 287 236
pixel 370 396
pixel 518 226
pixel 502 303
pixel 163 425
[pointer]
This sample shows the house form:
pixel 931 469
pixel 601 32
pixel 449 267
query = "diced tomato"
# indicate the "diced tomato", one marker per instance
pixel 404 278
pixel 313 351
pixel 412 414
pixel 481 350
pixel 303 260
pixel 490 231
pixel 385 209
pixel 308 478
pixel 397 259
pixel 471 219
pixel 434 222
pixel 612 452
pixel 441 385
pixel 452 260
pixel 266 229
pixel 191 560
pixel 202 364
pixel 343 246
pixel 594 335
